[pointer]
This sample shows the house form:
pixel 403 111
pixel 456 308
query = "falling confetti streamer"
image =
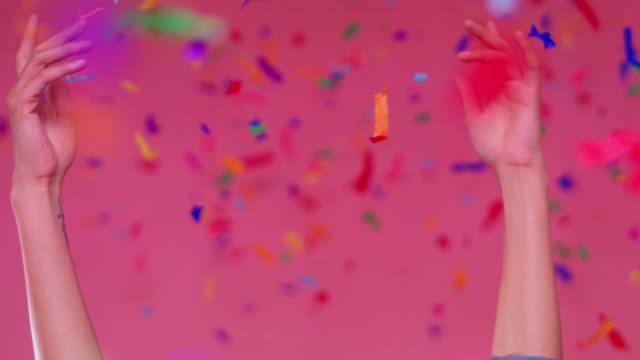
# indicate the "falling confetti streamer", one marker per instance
pixel 145 149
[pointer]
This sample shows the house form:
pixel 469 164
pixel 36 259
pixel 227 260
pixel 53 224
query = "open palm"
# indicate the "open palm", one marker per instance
pixel 42 126
pixel 506 130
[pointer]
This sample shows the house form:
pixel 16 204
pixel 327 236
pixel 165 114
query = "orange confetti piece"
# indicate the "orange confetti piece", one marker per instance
pixel 381 126
pixel 460 278
pixel 253 70
pixel 264 254
pixel 606 327
pixel 234 165
pixel 430 223
pixel 149 5
pixel 129 86
pixel 294 240
pixel 86 16
pixel 634 277
pixel 208 290
pixel 144 147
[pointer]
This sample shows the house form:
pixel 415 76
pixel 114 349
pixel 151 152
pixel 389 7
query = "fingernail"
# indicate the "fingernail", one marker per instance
pixel 464 54
pixel 468 23
pixel 79 63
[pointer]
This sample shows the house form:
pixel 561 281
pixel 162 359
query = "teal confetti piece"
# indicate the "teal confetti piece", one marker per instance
pixel 420 77
pixel 633 90
pixel 326 83
pixel 351 30
pixel 225 179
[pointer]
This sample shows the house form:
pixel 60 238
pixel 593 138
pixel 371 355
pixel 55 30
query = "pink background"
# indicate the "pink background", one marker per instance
pixel 386 287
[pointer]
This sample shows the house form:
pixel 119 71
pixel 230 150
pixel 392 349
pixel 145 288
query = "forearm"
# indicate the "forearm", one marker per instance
pixel 60 324
pixel 527 320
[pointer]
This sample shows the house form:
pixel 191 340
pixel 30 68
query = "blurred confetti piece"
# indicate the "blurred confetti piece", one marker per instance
pixel 264 254
pixel 494 213
pixel 129 86
pixel 221 336
pixel 565 182
pixel 253 71
pixel 234 87
pixel 196 51
pixel 179 22
pixel 321 297
pixel 609 149
pixel 634 277
pixel 562 272
pixel 351 30
pixel 145 150
pixel 308 281
pixel 589 14
pixel 420 77
pixel 269 70
pixel 606 326
pixel 152 124
pixel 381 125
pixel 468 167
pixel 208 290
pixel 545 37
pixel 233 165
pixel 584 253
pixel 149 5
pixel 423 117
pixel 369 217
pixel 463 43
pixel 616 340
pixel 196 212
pixel 71 79
pixel 460 278
pixel 294 241
pixel 362 183
pixel 88 15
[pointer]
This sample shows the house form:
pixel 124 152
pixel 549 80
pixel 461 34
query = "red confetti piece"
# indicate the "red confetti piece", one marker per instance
pixel 443 242
pixel 493 214
pixel 220 225
pixel 616 340
pixel 609 149
pixel 258 160
pixel 588 13
pixel 362 184
pixel 297 40
pixel 321 297
pixel 148 166
pixel 234 88
pixel 135 230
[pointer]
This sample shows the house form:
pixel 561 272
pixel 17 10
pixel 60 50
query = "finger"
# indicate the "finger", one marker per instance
pixel 70 34
pixel 492 57
pixel 27 44
pixel 41 59
pixel 483 34
pixel 492 28
pixel 59 96
pixel 36 86
pixel 530 56
pixel 469 98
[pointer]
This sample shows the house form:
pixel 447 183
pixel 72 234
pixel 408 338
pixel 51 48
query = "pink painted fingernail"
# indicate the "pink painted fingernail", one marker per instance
pixel 79 63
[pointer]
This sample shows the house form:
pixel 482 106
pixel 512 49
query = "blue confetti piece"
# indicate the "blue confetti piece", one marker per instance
pixel 463 44
pixel 295 123
pixel 147 311
pixel 196 212
pixel 562 272
pixel 469 167
pixel 115 2
pixel 429 163
pixel 205 128
pixel 240 204
pixel 545 37
pixel 308 281
pixel 94 163
pixel 420 77
pixel 71 79
pixel 629 50
pixel 255 122
pixel 261 137
pixel 565 182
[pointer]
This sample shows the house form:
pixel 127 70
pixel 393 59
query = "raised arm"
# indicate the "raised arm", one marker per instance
pixel 43 135
pixel 505 131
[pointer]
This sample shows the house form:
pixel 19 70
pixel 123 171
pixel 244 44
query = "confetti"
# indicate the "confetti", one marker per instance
pixel 460 278
pixel 369 217
pixel 294 241
pixel 264 254
pixel 196 213
pixel 362 183
pixel 233 88
pixel 420 77
pixel 129 86
pixel 268 69
pixel 468 167
pixel 205 128
pixel 606 327
pixel 493 214
pixel 196 51
pixel 502 8
pixel 145 150
pixel 381 125
pixel 308 281
pixel 545 37
pixel 423 118
pixel 351 30
pixel 4 126
pixel 178 22
pixel 562 272
pixel 258 160
pixel 152 124
pixel 208 290
pixel 463 43
pixel 71 79
pixel 321 297
pixel 589 14
pixel 584 253
pixel 88 15
pixel 221 336
pixel 609 149
pixel 257 129
pixel 566 182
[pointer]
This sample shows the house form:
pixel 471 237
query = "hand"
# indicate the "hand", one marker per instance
pixel 505 131
pixel 42 125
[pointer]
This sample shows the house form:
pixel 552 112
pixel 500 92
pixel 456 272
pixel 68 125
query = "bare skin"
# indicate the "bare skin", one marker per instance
pixel 506 135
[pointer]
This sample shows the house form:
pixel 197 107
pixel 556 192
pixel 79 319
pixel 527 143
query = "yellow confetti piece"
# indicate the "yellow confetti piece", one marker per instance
pixel 145 150
pixel 234 165
pixel 149 5
pixel 208 290
pixel 129 86
pixel 634 277
pixel 460 279
pixel 294 240
pixel 381 125
pixel 253 70
pixel 264 254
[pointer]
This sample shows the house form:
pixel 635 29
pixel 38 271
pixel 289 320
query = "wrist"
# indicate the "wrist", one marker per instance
pixel 33 190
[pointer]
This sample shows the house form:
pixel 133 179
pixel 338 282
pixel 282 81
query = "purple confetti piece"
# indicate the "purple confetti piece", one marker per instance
pixel 400 35
pixel 289 288
pixel 473 167
pixel 196 50
pixel 205 128
pixel 463 43
pixel 152 124
pixel 434 330
pixel 269 70
pixel 94 163
pixel 4 126
pixel 545 22
pixel 295 123
pixel 562 272
pixel 221 336
pixel 293 190
pixel 264 32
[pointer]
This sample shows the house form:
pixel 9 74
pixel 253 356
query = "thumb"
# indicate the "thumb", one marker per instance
pixel 469 98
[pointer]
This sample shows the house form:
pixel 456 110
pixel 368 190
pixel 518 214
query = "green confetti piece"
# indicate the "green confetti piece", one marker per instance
pixel 285 257
pixel 370 218
pixel 554 205
pixel 615 172
pixel 351 30
pixel 543 129
pixel 563 250
pixel 326 83
pixel 225 179
pixel 633 90
pixel 423 117
pixel 326 154
pixel 584 254
pixel 257 129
